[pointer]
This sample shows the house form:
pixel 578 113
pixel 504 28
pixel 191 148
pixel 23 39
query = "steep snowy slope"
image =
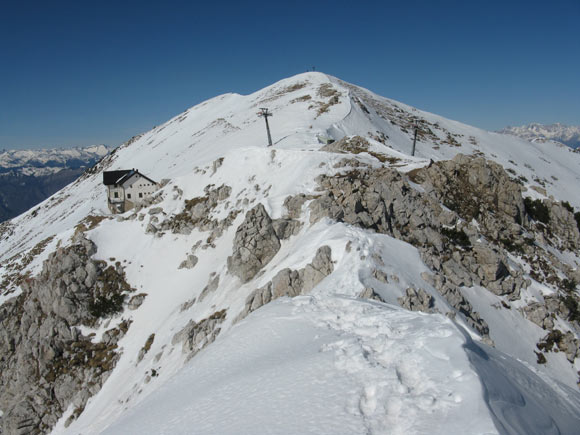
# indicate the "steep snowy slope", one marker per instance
pixel 238 224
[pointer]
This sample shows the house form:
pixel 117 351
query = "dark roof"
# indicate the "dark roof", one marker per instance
pixel 119 177
pixel 112 177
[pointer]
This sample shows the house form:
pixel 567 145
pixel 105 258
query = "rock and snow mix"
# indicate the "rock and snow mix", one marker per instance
pixel 303 288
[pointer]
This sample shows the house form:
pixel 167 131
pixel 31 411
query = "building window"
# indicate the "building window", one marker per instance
pixel 116 194
pixel 140 195
pixel 129 195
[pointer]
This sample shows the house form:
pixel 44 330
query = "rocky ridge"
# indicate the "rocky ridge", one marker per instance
pixel 46 363
pixel 467 221
pixel 467 217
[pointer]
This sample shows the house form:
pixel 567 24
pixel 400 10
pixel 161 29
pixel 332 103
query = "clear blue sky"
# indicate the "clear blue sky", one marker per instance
pixel 80 72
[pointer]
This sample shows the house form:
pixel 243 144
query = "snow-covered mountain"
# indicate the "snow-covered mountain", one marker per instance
pixel 534 132
pixel 49 161
pixel 28 177
pixel 308 287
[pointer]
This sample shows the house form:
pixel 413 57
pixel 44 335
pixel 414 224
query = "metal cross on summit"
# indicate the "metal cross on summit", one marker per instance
pixel 265 113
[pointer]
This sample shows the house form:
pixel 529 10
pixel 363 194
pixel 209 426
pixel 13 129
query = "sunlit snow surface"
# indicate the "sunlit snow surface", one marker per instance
pixel 323 366
pixel 322 363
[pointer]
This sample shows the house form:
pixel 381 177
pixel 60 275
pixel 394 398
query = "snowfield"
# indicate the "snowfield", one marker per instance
pixel 327 362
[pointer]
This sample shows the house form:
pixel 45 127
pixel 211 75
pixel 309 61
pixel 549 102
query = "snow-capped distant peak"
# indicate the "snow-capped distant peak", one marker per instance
pixel 535 132
pixel 20 158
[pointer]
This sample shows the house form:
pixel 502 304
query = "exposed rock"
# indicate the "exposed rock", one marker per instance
pixel 316 271
pixel 196 335
pixel 136 301
pixel 540 315
pixel 146 348
pixel 472 186
pixel 211 286
pixel 197 213
pixel 216 164
pixel 356 145
pixel 45 362
pixel 285 228
pixel 112 336
pixel 417 300
pixel 453 295
pixel 383 200
pixel 566 343
pixel 293 205
pixel 291 283
pixel 155 210
pixel 255 244
pixel 189 263
pixel 563 226
pixel 369 293
pixel 381 276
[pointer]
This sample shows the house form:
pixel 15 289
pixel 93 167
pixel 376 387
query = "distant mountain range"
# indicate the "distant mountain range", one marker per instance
pixel 534 132
pixel 28 177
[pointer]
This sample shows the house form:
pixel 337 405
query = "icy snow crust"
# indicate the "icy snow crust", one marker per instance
pixel 323 363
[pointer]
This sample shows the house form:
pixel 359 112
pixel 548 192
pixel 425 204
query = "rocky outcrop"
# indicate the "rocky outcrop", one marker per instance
pixel 197 212
pixel 291 283
pixel 46 363
pixel 563 226
pixel 453 296
pixel 316 271
pixel 540 315
pixel 383 200
pixel 211 286
pixel 369 293
pixel 417 300
pixel 255 244
pixel 189 262
pixel 556 341
pixel 472 187
pixel 197 335
pixel 285 228
pixel 293 205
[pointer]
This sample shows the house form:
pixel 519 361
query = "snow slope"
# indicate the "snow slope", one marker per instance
pixel 323 363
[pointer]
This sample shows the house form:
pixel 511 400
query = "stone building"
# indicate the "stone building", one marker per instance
pixel 126 188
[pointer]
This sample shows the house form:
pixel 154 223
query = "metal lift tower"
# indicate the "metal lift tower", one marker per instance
pixel 265 113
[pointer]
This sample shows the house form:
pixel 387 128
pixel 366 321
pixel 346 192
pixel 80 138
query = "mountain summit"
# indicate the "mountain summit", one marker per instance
pixel 331 283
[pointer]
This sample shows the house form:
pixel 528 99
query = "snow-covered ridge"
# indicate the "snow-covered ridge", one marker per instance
pixel 534 132
pixel 330 360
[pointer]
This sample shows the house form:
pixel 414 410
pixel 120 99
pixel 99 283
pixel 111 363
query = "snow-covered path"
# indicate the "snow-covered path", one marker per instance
pixel 397 372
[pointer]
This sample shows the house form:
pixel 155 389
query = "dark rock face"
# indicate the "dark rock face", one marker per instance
pixel 45 361
pixel 255 244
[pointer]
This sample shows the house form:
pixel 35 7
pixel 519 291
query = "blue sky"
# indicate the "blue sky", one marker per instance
pixel 80 73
